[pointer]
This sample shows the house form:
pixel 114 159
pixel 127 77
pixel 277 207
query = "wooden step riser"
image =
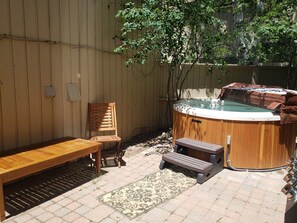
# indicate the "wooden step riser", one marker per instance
pixel 188 162
pixel 198 145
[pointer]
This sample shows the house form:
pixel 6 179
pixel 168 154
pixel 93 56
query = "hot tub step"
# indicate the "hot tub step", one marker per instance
pixel 216 152
pixel 198 145
pixel 203 168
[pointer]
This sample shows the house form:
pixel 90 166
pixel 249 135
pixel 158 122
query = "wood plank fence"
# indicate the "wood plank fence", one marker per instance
pixel 52 43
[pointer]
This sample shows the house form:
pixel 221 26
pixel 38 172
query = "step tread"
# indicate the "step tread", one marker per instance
pixel 198 145
pixel 188 162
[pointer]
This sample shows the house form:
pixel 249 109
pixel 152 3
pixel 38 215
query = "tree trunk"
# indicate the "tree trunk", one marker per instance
pixel 169 107
pixel 291 77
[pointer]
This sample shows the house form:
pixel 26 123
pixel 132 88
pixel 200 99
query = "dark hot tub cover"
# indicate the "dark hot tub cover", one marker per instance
pixel 270 97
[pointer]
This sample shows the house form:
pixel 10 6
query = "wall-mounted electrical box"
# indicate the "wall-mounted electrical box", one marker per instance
pixel 50 91
pixel 73 92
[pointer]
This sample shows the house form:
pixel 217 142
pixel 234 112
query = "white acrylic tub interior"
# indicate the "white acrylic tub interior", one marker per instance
pixel 224 110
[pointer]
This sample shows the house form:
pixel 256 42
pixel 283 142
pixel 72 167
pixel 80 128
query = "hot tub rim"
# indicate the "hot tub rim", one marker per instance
pixel 225 115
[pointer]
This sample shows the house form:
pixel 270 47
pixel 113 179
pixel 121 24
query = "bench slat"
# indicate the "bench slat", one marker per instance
pixel 198 145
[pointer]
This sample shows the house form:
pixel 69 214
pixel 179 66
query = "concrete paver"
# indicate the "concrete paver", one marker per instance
pixel 99 213
pixel 61 212
pixel 24 218
pixel 44 217
pixel 116 216
pixel 71 217
pixel 53 207
pixel 55 220
pixel 82 220
pixel 228 197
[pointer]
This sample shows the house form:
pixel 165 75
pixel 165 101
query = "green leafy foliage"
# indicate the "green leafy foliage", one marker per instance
pixel 269 30
pixel 189 31
pixel 177 31
pixel 268 33
pixel 174 31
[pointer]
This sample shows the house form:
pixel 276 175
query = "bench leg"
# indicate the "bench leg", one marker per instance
pixel 118 158
pixel 2 208
pixel 98 160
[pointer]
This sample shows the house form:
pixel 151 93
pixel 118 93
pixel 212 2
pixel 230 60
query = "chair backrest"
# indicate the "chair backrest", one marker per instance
pixel 102 117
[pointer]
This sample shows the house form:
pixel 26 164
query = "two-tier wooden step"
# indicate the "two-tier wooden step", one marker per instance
pixel 205 169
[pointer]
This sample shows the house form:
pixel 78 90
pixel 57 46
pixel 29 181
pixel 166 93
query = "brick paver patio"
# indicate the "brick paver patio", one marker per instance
pixel 239 197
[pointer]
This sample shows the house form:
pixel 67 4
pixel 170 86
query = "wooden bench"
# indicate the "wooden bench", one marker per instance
pixel 30 160
pixel 181 157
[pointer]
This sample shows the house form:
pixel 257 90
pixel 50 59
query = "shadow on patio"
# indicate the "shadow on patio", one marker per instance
pixel 37 189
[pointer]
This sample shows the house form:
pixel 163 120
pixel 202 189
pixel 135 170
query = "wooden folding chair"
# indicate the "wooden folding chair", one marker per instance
pixel 102 119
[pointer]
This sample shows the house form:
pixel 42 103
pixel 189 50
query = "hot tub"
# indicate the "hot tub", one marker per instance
pixel 257 139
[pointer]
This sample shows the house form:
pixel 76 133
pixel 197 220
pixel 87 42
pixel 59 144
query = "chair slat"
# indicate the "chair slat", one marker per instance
pixel 102 119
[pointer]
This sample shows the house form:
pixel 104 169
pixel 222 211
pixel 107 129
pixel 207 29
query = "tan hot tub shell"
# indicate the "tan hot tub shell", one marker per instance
pixel 254 144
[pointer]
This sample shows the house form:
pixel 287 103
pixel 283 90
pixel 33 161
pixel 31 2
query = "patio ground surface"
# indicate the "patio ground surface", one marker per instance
pixel 241 197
